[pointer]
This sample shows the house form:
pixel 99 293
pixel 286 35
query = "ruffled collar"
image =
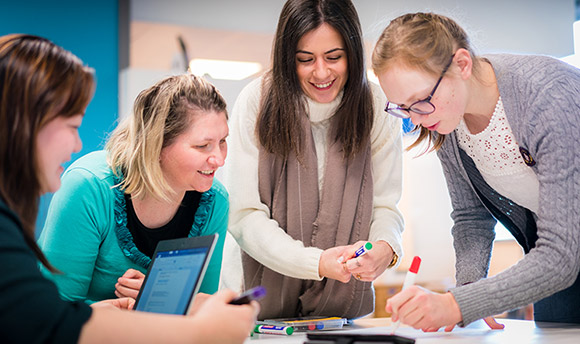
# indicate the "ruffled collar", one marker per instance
pixel 124 237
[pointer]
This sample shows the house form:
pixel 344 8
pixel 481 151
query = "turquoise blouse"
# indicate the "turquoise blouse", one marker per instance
pixel 86 237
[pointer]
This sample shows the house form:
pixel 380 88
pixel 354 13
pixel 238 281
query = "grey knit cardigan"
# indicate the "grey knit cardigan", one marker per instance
pixel 541 96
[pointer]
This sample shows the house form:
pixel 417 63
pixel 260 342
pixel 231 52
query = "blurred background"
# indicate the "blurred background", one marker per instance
pixel 134 43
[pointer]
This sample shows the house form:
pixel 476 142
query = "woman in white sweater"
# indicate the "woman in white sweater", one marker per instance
pixel 315 169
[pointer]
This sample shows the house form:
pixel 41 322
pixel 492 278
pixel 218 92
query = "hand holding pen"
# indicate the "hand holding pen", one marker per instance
pixel 420 308
pixel 409 281
pixel 367 260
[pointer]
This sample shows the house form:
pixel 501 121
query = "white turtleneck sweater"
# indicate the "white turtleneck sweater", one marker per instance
pixel 250 223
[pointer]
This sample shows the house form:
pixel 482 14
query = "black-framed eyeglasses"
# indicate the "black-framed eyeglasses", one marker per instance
pixel 422 107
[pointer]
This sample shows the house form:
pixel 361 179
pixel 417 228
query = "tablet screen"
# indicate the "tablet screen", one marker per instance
pixel 172 280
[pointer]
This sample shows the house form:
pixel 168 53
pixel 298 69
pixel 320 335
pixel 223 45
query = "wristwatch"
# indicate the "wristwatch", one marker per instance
pixel 394 260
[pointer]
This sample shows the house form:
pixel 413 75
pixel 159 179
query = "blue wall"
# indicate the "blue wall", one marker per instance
pixel 88 29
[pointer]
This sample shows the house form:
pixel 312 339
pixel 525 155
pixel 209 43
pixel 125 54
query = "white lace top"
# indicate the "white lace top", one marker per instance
pixel 496 154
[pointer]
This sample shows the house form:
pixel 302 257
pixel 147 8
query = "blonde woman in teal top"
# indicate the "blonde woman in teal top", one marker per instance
pixel 154 181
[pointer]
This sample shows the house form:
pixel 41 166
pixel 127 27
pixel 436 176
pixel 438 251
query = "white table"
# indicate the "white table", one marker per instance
pixel 515 332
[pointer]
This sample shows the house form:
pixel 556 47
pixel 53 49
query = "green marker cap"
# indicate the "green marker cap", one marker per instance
pixel 287 329
pixel 368 246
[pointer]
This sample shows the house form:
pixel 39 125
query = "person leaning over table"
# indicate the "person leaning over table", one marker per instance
pixel 44 91
pixel 154 181
pixel 315 169
pixel 505 128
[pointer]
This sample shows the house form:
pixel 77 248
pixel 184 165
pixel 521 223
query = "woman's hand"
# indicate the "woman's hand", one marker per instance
pixel 198 301
pixel 494 325
pixel 329 265
pixel 215 312
pixel 120 303
pixel 423 309
pixel 129 284
pixel 371 265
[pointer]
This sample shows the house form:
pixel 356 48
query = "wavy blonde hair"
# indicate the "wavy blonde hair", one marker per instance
pixel 425 41
pixel 160 114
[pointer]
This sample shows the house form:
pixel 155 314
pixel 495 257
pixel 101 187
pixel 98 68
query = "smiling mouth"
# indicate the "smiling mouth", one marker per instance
pixel 207 173
pixel 322 86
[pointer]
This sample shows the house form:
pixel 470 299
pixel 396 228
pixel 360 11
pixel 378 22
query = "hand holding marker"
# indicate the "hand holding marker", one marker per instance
pixel 249 295
pixel 361 251
pixel 409 281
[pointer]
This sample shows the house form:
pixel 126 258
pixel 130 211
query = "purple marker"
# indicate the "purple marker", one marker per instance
pixel 255 293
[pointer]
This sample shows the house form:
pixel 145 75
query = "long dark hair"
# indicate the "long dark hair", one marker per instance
pixel 39 81
pixel 282 104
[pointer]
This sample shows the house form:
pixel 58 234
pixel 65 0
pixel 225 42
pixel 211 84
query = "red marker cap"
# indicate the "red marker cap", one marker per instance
pixel 415 265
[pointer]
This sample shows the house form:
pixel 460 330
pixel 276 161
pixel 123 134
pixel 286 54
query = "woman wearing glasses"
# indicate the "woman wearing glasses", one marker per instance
pixel 321 169
pixel 506 130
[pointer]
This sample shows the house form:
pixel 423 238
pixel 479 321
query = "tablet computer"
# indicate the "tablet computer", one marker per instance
pixel 350 338
pixel 175 274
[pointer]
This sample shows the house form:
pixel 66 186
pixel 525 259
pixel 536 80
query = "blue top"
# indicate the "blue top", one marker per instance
pixel 86 235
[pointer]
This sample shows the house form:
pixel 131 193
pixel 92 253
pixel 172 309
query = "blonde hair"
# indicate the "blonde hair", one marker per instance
pixel 160 114
pixel 425 41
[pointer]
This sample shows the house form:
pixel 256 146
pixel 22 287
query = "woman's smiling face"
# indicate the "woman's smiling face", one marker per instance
pixel 322 64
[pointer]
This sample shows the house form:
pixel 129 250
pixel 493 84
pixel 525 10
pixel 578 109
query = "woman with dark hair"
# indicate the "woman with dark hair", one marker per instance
pixel 322 169
pixel 44 91
pixel 505 128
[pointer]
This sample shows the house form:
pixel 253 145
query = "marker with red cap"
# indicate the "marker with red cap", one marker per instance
pixel 409 281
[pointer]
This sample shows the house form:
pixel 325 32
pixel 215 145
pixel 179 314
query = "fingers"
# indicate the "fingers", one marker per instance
pixel 353 264
pixel 361 268
pixel 449 328
pixel 122 291
pixel 121 303
pixel 125 303
pixel 225 295
pixel 132 273
pixel 329 267
pixel 400 305
pixel 256 307
pixel 425 310
pixel 129 284
pixel 490 321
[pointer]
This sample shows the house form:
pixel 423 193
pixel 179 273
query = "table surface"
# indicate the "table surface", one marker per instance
pixel 515 332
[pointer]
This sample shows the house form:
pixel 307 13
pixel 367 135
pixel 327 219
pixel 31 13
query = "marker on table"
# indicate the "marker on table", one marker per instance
pixel 361 251
pixel 409 281
pixel 272 329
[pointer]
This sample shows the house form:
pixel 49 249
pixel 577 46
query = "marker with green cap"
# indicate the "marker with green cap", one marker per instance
pixel 361 251
pixel 272 329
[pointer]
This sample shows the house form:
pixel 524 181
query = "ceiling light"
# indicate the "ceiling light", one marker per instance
pixel 222 69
